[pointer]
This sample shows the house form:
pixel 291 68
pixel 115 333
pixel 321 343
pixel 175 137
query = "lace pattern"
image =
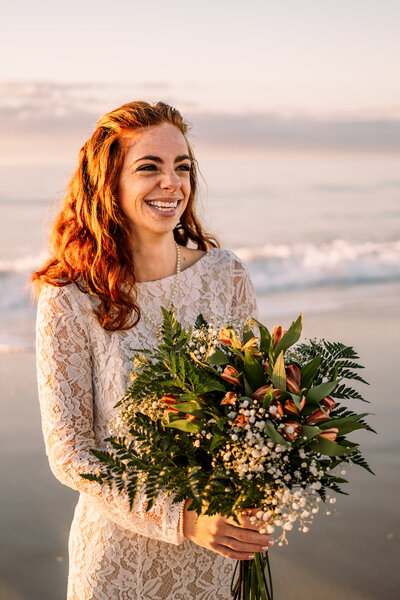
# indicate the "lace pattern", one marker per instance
pixel 83 371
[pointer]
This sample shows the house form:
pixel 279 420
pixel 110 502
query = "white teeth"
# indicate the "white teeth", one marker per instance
pixel 164 205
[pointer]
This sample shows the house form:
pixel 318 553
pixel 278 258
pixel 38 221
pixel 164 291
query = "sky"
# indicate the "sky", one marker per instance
pixel 288 76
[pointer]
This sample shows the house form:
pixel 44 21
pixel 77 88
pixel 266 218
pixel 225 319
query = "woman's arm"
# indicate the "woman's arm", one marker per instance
pixel 244 302
pixel 66 399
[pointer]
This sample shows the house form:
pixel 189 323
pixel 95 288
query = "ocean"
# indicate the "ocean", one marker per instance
pixel 317 232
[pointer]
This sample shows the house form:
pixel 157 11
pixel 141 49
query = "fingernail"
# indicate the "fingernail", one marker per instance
pixel 251 555
pixel 265 547
pixel 271 542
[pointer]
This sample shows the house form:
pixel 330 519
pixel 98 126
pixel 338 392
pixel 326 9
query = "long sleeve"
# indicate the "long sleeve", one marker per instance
pixel 64 369
pixel 244 302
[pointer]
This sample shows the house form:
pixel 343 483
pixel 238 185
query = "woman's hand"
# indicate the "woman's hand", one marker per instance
pixel 223 535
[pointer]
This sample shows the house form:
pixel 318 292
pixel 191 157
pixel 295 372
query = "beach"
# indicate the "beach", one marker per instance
pixel 351 554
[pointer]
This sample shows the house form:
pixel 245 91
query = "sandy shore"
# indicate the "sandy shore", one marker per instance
pixel 351 555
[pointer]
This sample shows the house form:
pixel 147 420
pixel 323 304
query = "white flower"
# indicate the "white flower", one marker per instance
pixel 209 436
pixel 234 437
pixel 305 529
pixel 288 526
pixel 196 443
pixel 332 500
pixel 305 514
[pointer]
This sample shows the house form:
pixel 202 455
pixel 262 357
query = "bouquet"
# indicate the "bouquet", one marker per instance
pixel 235 418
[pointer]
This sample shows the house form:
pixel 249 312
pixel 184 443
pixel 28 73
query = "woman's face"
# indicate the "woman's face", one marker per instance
pixel 154 184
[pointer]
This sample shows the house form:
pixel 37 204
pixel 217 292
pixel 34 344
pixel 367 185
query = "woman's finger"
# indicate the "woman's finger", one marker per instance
pixel 234 554
pixel 250 536
pixel 246 546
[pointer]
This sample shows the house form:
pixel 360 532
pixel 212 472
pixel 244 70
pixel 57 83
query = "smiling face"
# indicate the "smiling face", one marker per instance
pixel 154 184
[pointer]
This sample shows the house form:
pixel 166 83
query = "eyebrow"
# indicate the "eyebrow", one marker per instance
pixel 157 159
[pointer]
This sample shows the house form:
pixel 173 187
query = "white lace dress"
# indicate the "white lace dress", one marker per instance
pixel 83 371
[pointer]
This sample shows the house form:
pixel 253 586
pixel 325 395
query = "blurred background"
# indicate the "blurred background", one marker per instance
pixel 295 115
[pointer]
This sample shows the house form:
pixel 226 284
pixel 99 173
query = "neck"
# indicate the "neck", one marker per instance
pixel 155 258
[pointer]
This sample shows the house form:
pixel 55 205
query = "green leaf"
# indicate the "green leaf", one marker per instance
pixel 210 386
pixel 268 398
pixel 247 333
pixel 200 322
pixel 187 407
pixel 253 370
pixel 309 370
pixel 216 441
pixel 248 390
pixel 309 432
pixel 319 392
pixel 218 358
pixel 345 424
pixel 265 336
pixel 184 425
pixel 296 399
pixel 329 448
pixel 274 435
pixel 279 374
pixel 291 336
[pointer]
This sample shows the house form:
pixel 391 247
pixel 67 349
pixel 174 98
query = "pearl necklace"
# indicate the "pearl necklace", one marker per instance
pixel 154 323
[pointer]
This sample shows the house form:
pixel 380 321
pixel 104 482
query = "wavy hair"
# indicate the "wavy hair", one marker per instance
pixel 90 240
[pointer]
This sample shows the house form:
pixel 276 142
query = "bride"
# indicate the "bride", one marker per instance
pixel 119 252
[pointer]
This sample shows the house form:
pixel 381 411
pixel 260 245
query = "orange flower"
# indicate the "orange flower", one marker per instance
pixel 317 417
pixel 251 345
pixel 328 403
pixel 231 375
pixel 168 411
pixel 229 398
pixel 224 337
pixel 169 399
pixel 190 417
pixel 293 379
pixel 260 393
pixel 266 366
pixel 322 414
pixel 240 420
pixel 291 407
pixel 291 430
pixel 329 434
pixel 275 410
pixel 277 333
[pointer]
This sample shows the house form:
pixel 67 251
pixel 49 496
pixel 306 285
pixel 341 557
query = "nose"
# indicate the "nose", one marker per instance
pixel 170 181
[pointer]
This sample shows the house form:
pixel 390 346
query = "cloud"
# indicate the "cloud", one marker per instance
pixel 53 119
pixel 265 131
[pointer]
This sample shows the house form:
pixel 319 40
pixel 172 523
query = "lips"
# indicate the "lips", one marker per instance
pixel 164 206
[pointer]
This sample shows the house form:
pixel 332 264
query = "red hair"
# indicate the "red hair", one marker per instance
pixel 90 240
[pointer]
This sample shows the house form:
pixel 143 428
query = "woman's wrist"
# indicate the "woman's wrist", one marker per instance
pixel 189 518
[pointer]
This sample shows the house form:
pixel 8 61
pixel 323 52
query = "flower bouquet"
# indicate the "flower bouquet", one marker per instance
pixel 235 418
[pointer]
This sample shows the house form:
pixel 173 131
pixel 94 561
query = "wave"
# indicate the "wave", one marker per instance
pixel 276 267
pixel 285 266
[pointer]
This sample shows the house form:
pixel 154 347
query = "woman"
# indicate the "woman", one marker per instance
pixel 120 251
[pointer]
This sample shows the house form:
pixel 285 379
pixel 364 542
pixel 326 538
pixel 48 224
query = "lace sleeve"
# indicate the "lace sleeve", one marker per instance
pixel 244 302
pixel 66 401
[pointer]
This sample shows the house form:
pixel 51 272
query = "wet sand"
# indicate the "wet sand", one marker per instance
pixel 352 554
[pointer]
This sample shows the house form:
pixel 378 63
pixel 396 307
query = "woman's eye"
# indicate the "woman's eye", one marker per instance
pixel 184 168
pixel 147 168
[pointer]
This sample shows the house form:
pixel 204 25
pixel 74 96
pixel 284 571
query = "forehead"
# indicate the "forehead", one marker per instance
pixel 163 138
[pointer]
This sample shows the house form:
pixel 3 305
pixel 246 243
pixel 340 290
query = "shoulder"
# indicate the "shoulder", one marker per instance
pixel 224 258
pixel 67 298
